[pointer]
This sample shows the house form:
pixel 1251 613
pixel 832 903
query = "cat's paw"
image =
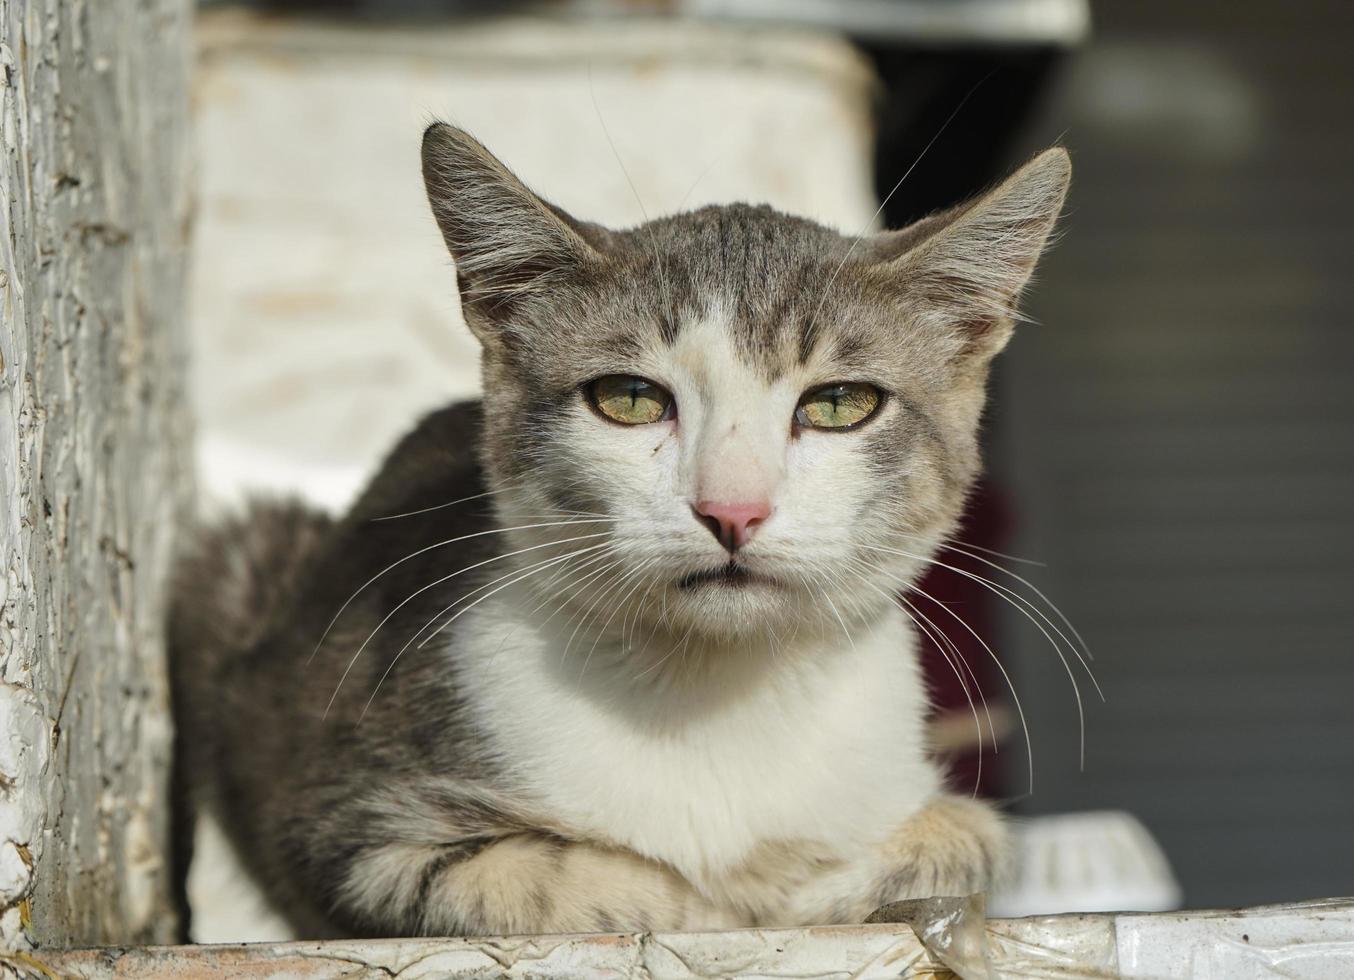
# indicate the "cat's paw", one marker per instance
pixel 954 846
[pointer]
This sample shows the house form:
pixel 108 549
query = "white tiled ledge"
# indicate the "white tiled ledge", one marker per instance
pixel 1311 940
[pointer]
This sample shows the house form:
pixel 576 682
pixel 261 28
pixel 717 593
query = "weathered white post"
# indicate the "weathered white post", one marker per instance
pixel 93 459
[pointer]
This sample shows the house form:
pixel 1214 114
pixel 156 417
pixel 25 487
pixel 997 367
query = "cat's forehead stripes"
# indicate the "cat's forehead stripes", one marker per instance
pixel 762 273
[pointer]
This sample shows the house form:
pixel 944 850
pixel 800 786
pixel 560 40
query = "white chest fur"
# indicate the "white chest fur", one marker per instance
pixel 823 746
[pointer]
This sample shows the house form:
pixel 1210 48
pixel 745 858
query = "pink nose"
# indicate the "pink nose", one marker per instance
pixel 732 524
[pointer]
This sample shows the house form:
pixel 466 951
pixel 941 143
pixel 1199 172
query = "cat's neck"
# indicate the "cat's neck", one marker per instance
pixel 666 676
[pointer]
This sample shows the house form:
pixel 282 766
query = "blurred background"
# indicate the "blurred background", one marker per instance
pixel 1178 435
pixel 1172 437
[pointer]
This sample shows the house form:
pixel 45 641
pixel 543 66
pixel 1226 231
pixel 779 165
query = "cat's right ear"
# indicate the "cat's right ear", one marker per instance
pixel 508 243
pixel 969 264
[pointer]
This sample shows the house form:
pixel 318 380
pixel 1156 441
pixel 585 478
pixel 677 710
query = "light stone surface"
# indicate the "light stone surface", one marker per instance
pixel 93 459
pixel 1313 940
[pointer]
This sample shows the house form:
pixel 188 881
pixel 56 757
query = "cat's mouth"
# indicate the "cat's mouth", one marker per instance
pixel 730 574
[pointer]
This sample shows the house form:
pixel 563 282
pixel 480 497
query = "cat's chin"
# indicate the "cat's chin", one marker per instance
pixel 735 604
pixel 731 575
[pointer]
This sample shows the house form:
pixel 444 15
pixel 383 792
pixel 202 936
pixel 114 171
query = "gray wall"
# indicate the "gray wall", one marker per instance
pixel 1179 431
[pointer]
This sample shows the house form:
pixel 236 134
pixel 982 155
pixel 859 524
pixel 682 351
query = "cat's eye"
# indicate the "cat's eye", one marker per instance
pixel 629 400
pixel 841 405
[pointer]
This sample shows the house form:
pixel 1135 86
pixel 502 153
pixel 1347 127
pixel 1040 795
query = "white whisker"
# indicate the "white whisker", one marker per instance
pixel 449 503
pixel 1016 600
pixel 446 578
pixel 941 640
pixel 391 666
pixel 423 551
pixel 637 574
pixel 659 268
pixel 1029 585
pixel 860 235
pixel 833 606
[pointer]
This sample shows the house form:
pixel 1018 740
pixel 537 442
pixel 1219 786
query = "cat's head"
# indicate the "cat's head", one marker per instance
pixel 742 422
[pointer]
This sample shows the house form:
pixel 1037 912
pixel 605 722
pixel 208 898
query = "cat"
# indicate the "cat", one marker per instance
pixel 616 648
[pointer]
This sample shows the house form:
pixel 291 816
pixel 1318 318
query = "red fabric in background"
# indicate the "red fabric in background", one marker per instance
pixel 986 524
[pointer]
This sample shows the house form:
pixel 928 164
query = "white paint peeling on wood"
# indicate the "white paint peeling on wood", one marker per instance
pixel 93 208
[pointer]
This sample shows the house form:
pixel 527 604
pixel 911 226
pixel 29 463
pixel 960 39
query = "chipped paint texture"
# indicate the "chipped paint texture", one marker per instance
pixel 1311 940
pixel 93 204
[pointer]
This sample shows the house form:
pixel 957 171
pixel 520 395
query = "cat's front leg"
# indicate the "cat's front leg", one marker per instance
pixel 522 883
pixel 952 846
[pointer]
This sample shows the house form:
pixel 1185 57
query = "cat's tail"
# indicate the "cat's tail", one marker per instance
pixel 232 578
pixel 228 584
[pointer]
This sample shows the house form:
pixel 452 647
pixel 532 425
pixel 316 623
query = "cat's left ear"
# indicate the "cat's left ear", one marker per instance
pixel 969 265
pixel 509 244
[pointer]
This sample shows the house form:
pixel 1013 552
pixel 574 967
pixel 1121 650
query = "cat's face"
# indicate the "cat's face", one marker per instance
pixel 732 423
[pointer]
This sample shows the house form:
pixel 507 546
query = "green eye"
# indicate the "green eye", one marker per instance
pixel 629 400
pixel 842 405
